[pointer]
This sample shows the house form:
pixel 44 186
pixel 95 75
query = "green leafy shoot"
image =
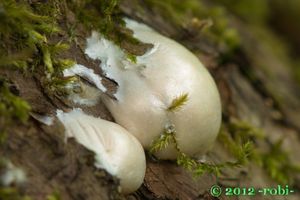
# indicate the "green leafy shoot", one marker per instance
pixel 131 58
pixel 184 15
pixel 12 106
pixel 278 164
pixel 58 86
pixel 11 193
pixel 54 196
pixel 242 154
pixel 241 145
pixel 57 48
pixel 203 168
pixel 105 17
pixel 186 162
pixel 178 102
pixel 12 109
pixel 63 64
pixel 244 131
pixel 242 151
pixel 162 142
pixel 47 59
pixel 198 169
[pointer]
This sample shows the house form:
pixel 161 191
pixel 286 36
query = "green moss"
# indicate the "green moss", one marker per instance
pixel 162 142
pixel 60 86
pixel 242 150
pixel 278 164
pixel 25 30
pixel 296 69
pixel 104 16
pixel 54 196
pixel 180 15
pixel 275 161
pixel 242 153
pixel 254 11
pixel 39 22
pixel 12 108
pixel 131 58
pixel 53 81
pixel 178 102
pixel 243 131
pixel 51 8
pixel 11 193
pixel 20 31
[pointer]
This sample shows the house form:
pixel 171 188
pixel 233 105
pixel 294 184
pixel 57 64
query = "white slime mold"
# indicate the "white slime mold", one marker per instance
pixel 145 91
pixel 116 150
pixel 148 87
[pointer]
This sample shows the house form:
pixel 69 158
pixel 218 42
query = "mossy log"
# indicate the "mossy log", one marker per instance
pixel 255 73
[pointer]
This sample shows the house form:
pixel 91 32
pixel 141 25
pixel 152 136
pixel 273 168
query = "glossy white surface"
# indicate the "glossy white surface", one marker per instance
pixel 148 87
pixel 116 150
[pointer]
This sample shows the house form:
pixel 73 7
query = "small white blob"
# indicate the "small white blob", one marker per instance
pixel 147 88
pixel 12 175
pixel 116 150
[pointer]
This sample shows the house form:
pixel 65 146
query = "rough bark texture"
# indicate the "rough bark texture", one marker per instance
pixel 256 86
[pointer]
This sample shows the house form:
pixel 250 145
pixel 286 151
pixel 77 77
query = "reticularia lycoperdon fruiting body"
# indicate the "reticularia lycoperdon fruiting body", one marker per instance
pixel 147 88
pixel 116 150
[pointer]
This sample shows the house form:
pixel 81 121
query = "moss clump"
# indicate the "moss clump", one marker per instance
pixel 180 15
pixel 240 138
pixel 54 196
pixel 20 31
pixel 242 153
pixel 168 137
pixel 53 80
pixel 25 30
pixel 12 108
pixel 11 193
pixel 278 164
pixel 105 17
pixel 275 161
pixel 296 69
pixel 254 11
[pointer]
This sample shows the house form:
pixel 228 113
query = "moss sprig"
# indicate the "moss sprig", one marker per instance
pixel 105 17
pixel 20 32
pixel 54 196
pixel 11 193
pixel 168 137
pixel 25 45
pixel 242 153
pixel 162 142
pixel 275 161
pixel 12 108
pixel 54 82
pixel 12 105
pixel 278 164
pixel 183 15
pixel 178 102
